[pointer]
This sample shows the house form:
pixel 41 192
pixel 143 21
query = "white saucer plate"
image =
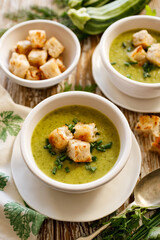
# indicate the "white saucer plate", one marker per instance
pixel 83 207
pixel 103 81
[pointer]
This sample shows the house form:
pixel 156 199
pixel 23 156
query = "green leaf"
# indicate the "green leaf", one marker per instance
pixel 87 88
pixel 90 168
pixel 90 88
pixel 24 220
pixel 62 3
pixel 3 134
pixel 2 31
pixel 3 181
pixel 154 234
pixel 78 88
pixel 67 87
pixel 9 122
pixel 149 11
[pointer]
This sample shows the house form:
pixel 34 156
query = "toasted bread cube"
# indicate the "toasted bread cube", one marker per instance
pixel 155 146
pixel 50 69
pixel 60 65
pixel 142 38
pixel 23 47
pixel 33 73
pixel 79 151
pixel 18 64
pixel 37 57
pixel 37 38
pixel 138 55
pixel 153 54
pixel 54 47
pixel 59 137
pixel 85 132
pixel 148 125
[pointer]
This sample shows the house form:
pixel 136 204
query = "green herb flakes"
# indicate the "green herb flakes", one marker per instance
pixel 67 170
pixel 90 168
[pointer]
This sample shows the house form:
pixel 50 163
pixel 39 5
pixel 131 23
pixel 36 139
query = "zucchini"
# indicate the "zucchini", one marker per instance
pixel 87 3
pixel 95 3
pixel 92 20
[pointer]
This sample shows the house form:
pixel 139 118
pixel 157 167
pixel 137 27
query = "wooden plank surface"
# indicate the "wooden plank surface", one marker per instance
pixel 52 229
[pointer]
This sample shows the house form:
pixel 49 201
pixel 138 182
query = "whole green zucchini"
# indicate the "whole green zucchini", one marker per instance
pixel 94 20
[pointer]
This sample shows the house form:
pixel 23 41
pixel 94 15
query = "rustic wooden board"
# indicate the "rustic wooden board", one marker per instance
pixel 52 229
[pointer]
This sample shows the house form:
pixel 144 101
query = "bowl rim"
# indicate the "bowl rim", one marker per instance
pixel 45 82
pixel 75 188
pixel 103 42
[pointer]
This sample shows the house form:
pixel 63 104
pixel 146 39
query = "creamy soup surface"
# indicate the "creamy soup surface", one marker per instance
pixel 120 47
pixel 77 173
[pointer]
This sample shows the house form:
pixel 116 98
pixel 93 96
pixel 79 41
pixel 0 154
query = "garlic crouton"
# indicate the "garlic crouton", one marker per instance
pixel 37 38
pixel 18 65
pixel 155 147
pixel 138 55
pixel 153 54
pixel 33 73
pixel 37 57
pixel 50 69
pixel 85 132
pixel 142 38
pixel 59 137
pixel 148 125
pixel 79 151
pixel 23 47
pixel 54 47
pixel 60 65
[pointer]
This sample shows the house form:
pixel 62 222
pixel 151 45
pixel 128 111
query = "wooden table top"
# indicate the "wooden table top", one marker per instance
pixel 52 229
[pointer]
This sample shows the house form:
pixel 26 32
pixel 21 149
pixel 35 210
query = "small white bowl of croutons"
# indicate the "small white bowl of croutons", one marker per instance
pixel 130 53
pixel 39 53
pixel 75 141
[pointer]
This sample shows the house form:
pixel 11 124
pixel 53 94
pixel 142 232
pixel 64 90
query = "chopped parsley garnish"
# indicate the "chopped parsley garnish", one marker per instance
pixel 128 75
pixel 49 147
pixel 99 146
pixel 67 170
pixel 60 159
pixel 94 158
pixel 54 170
pixel 129 63
pixel 124 45
pixel 72 125
pixel 129 49
pixel 90 168
pixel 147 68
pixel 113 63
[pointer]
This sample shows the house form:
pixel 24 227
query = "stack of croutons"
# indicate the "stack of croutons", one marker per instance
pixel 37 58
pixel 150 125
pixel 76 144
pixel 146 49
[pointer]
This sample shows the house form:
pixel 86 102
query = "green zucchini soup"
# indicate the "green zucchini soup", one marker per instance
pixel 124 56
pixel 104 150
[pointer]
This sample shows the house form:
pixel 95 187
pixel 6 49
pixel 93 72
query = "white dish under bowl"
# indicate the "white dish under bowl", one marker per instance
pixel 83 207
pixel 128 86
pixel 104 82
pixel 19 32
pixel 76 98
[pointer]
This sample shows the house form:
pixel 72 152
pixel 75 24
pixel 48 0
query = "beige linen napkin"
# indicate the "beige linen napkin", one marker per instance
pixel 17 221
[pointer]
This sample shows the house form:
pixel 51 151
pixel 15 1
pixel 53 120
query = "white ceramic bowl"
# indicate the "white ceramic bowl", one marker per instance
pixel 78 98
pixel 19 32
pixel 128 86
